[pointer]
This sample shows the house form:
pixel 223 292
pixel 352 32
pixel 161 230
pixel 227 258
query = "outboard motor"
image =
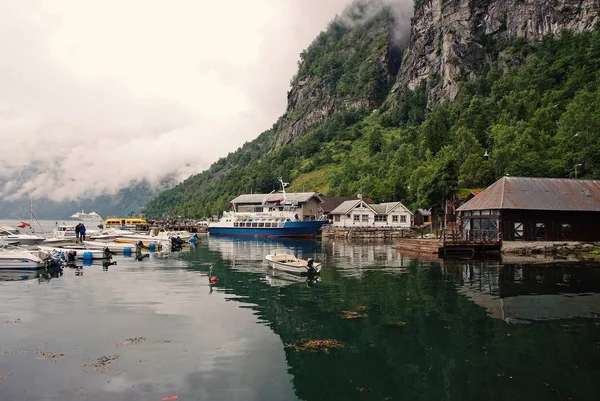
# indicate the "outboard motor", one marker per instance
pixel 176 244
pixel 71 256
pixel 310 267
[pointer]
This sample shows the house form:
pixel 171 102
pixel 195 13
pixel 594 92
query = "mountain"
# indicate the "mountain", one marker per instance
pixel 409 117
pixel 125 202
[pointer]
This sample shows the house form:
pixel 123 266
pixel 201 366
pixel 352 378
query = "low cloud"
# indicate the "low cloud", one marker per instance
pixel 97 94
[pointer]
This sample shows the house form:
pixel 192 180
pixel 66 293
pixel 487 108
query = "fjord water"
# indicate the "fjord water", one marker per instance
pixel 411 329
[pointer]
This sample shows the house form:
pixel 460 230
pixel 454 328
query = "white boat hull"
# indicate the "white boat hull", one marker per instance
pixel 80 252
pixel 17 259
pixel 295 266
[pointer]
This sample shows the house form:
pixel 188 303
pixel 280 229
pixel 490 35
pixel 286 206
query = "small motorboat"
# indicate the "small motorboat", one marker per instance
pixel 78 251
pixel 14 237
pixel 118 247
pixel 286 261
pixel 16 258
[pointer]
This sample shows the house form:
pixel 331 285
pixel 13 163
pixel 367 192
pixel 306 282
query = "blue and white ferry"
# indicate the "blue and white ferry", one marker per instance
pixel 275 218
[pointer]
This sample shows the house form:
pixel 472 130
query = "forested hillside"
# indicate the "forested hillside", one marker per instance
pixel 533 107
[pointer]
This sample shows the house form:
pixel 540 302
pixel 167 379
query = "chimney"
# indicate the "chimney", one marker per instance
pixel 359 196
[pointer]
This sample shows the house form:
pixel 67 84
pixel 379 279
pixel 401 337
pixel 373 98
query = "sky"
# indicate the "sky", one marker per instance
pixel 95 94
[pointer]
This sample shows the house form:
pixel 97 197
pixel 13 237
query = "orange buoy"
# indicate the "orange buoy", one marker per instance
pixel 213 279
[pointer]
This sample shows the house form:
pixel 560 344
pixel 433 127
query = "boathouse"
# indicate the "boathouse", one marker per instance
pixel 358 213
pixel 530 209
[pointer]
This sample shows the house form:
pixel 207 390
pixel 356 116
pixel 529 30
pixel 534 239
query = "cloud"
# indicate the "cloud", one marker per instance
pixel 359 11
pixel 96 94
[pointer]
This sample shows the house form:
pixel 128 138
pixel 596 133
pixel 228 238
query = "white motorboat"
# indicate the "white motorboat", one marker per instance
pixel 155 234
pixel 12 236
pixel 286 261
pixel 62 234
pixel 82 216
pixel 80 251
pixel 16 258
pixel 121 247
pixel 109 234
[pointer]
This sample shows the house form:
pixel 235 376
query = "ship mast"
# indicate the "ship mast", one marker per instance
pixel 283 185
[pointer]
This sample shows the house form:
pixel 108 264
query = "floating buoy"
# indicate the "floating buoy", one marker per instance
pixel 213 279
pixel 172 397
pixel 152 247
pixel 127 251
pixel 87 256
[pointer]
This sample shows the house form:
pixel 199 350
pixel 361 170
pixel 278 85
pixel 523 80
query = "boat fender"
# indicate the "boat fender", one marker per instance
pixel 127 251
pixel 87 256
pixel 152 247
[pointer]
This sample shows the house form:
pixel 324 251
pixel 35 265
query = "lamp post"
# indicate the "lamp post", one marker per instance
pixel 577 165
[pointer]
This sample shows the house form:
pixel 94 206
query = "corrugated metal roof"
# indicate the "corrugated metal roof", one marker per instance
pixel 330 203
pixel 291 197
pixel 424 212
pixel 559 194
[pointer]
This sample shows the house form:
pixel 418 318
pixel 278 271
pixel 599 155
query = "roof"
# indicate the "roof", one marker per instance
pixel 380 209
pixel 423 212
pixel 298 197
pixel 385 208
pixel 331 202
pixel 557 194
pixel 346 206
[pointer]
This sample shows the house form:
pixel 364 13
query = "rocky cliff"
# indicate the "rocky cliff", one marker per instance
pixel 351 65
pixel 451 40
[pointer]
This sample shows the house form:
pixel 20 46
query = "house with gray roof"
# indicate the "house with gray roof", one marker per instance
pixel 359 213
pixel 523 208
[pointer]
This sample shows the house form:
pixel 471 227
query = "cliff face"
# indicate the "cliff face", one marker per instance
pixel 449 39
pixel 351 65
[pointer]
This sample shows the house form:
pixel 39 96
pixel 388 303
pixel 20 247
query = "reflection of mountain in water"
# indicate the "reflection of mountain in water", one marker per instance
pixel 515 292
pixel 418 338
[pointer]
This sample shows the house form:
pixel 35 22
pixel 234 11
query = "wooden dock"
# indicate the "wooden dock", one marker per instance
pixel 448 246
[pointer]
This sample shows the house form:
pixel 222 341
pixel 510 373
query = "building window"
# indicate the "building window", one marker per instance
pixel 540 231
pixel 518 230
pixel 337 217
pixel 356 217
pixel 365 217
pixel 380 218
pixel 403 218
pixel 394 219
pixel 565 231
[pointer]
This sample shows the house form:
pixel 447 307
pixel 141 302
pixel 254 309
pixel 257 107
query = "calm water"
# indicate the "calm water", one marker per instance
pixel 424 330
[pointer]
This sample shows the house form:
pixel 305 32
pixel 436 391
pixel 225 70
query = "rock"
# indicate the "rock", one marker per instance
pixel 450 39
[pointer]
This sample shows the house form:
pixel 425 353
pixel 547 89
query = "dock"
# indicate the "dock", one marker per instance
pixel 448 245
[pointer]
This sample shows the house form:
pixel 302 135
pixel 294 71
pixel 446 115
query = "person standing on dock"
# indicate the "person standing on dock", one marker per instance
pixel 82 232
pixel 77 231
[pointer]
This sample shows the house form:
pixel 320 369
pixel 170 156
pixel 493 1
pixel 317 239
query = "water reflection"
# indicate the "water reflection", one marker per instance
pixel 409 328
pixel 517 292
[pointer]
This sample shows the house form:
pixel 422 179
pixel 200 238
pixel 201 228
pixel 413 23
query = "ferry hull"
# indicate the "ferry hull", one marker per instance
pixel 304 229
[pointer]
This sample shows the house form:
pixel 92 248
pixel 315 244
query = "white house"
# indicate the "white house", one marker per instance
pixel 357 213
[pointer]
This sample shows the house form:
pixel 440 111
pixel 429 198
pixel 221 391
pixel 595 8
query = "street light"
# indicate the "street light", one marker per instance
pixel 577 165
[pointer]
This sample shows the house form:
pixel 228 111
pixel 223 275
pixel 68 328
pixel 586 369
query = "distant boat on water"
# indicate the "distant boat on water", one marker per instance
pixel 93 216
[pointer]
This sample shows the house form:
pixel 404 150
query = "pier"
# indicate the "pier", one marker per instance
pixel 448 244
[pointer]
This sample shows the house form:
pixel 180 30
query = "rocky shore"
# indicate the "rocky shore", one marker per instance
pixel 564 249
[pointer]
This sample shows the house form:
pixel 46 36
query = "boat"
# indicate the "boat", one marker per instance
pixel 118 247
pixel 277 219
pixel 92 216
pixel 12 236
pixel 129 223
pixel 80 251
pixel 17 258
pixel 109 234
pixel 285 261
pixel 62 234
pixel 156 234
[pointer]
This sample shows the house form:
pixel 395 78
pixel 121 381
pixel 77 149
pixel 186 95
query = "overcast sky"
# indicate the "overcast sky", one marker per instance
pixel 101 92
